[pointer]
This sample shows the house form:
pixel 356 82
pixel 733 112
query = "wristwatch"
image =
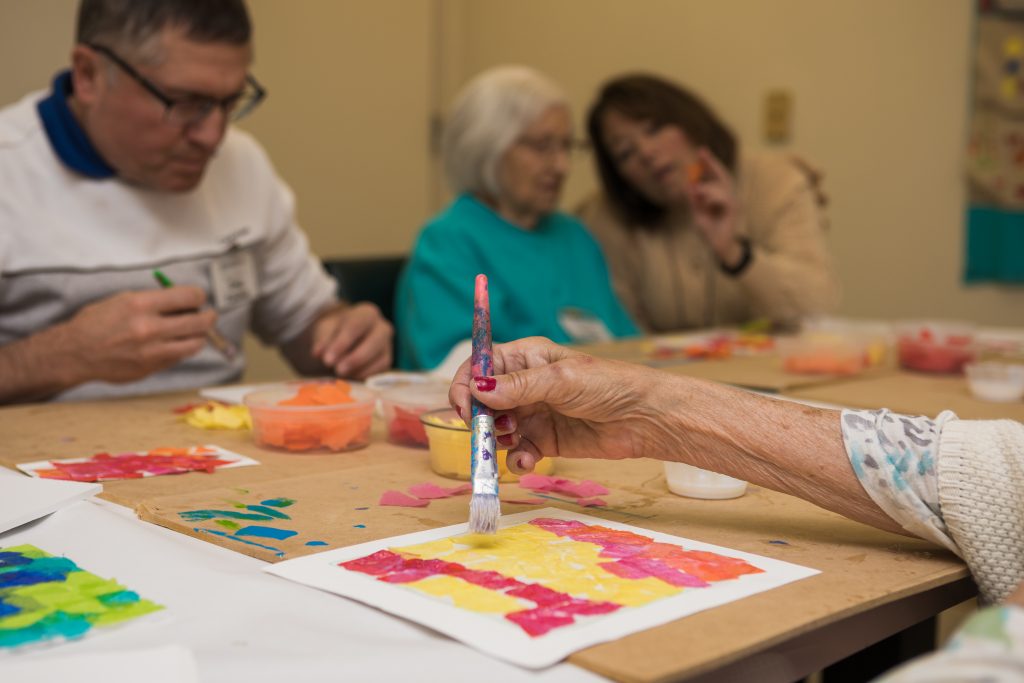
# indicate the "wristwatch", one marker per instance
pixel 744 261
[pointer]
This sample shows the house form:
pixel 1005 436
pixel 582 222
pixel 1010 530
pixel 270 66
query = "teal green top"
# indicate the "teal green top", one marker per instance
pixel 534 276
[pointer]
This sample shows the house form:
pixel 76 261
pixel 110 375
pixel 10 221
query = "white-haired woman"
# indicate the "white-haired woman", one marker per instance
pixel 506 153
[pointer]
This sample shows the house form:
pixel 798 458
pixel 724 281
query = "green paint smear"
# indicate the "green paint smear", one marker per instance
pixel 65 609
pixel 227 524
pixel 268 511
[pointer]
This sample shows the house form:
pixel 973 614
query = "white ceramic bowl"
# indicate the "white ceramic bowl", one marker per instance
pixel 996 382
pixel 693 482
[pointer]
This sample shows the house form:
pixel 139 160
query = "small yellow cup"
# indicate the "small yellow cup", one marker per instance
pixel 450 446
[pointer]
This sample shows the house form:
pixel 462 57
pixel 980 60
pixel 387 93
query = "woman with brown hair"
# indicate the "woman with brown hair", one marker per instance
pixel 697 233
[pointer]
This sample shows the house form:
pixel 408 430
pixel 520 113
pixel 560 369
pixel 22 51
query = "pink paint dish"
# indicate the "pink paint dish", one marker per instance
pixel 939 347
pixel 403 397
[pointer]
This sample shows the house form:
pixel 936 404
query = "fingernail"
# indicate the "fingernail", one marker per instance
pixel 485 383
pixel 505 440
pixel 519 463
pixel 504 423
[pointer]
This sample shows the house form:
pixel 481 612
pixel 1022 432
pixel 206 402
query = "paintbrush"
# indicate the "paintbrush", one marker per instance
pixel 216 339
pixel 484 507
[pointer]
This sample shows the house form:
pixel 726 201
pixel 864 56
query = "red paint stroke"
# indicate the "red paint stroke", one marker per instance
pixel 159 461
pixel 430 491
pixel 553 608
pixel 399 499
pixel 637 556
pixel 581 489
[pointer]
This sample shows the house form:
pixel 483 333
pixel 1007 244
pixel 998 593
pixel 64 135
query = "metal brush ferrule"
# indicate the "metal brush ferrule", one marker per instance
pixel 484 463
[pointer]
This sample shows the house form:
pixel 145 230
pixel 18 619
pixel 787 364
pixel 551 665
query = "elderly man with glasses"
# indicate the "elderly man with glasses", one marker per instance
pixel 129 166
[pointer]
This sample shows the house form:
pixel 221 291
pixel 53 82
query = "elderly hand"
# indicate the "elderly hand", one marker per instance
pixel 353 340
pixel 134 334
pixel 552 401
pixel 715 208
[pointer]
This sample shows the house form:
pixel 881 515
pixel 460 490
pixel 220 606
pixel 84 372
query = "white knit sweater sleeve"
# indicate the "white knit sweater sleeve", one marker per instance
pixel 981 495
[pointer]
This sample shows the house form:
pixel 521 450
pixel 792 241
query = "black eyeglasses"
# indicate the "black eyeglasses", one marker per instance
pixel 191 110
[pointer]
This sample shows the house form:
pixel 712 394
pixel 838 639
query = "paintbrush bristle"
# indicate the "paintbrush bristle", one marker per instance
pixel 484 513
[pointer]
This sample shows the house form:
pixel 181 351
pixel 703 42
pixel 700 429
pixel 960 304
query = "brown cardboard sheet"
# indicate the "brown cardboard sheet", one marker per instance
pixel 912 393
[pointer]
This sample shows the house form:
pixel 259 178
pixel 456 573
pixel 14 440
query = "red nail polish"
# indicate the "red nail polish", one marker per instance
pixel 485 383
pixel 504 423
pixel 505 440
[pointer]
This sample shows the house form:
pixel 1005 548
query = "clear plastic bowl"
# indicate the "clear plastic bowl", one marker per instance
pixel 823 353
pixel 314 428
pixel 404 397
pixel 996 382
pixel 693 482
pixel 938 346
pixel 450 446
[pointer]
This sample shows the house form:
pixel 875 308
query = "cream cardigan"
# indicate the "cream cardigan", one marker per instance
pixel 670 280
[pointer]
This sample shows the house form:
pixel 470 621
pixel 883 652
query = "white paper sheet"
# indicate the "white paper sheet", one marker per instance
pixel 234 460
pixel 232 394
pixel 23 500
pixel 499 637
pixel 167 664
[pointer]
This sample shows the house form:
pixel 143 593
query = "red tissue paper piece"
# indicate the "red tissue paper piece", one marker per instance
pixel 581 489
pixel 399 499
pixel 430 491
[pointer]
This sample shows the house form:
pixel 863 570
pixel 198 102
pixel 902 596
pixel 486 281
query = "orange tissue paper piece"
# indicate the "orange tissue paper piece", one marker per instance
pixel 321 394
pixel 694 172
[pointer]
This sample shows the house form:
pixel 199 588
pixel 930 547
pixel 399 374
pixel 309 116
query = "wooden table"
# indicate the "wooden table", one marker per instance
pixel 871 584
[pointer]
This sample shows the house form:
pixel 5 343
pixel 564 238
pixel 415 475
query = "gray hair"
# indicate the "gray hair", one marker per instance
pixel 489 113
pixel 128 25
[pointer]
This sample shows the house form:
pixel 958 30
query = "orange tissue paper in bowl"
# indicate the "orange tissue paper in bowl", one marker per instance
pixel 330 415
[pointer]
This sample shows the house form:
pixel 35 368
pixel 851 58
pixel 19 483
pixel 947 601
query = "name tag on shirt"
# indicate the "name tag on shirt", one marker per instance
pixel 233 278
pixel 583 327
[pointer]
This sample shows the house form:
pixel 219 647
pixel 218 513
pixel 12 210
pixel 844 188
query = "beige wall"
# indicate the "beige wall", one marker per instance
pixel 880 103
pixel 880 90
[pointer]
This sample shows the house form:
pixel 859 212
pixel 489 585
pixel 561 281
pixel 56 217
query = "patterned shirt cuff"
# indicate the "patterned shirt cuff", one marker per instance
pixel 894 457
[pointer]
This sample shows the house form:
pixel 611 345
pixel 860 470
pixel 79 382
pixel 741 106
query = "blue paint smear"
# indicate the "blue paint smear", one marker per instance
pixel 362 508
pixel 119 598
pixel 200 515
pixel 778 543
pixel 277 551
pixel 359 526
pixel 315 543
pixel 6 609
pixel 268 511
pixel 13 559
pixel 266 532
pixel 43 570
pixel 278 502
pixel 56 624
